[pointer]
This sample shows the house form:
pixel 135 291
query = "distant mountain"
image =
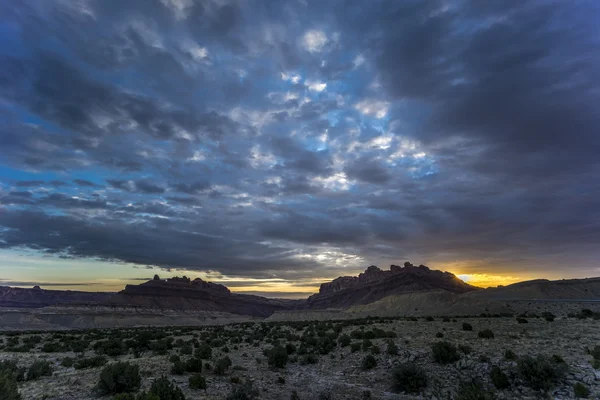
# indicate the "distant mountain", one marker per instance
pixel 36 297
pixel 375 284
pixel 399 290
pixel 197 295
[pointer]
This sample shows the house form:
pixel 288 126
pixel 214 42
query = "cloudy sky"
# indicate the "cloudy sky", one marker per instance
pixel 271 145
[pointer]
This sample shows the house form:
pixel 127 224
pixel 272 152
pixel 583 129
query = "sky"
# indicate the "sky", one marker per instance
pixel 274 145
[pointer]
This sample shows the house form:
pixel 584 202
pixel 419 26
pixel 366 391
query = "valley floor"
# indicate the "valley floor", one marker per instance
pixel 320 365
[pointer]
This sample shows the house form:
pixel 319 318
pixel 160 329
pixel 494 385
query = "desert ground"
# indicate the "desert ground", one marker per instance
pixel 526 356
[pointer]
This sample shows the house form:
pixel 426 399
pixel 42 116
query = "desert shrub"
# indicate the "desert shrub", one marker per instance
pixel 325 395
pixel 38 369
pixel 486 334
pixel 110 347
pixel 596 353
pixel 354 347
pixel 178 368
pixel 119 378
pixel 12 368
pixel 369 362
pixel 548 316
pixel 164 389
pixel 8 386
pixel 445 353
pixel 277 357
pixel 186 349
pixel 204 351
pixel 244 392
pixel 281 380
pixel 522 320
pixel 466 349
pixel 294 395
pixel 344 340
pixel 67 362
pixel 439 335
pixel 309 359
pixel 194 364
pixel 596 363
pixel 541 372
pixel 445 319
pixel 581 391
pixel 472 391
pixel 499 378
pixel 91 362
pixel 392 349
pixel 409 378
pixel 510 355
pixel 174 358
pixel 429 319
pixel 467 327
pixel 197 382
pixel 222 365
pixel 290 348
pixel 54 347
pixel 366 344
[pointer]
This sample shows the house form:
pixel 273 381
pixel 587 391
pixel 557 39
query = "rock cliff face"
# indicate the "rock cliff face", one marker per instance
pixel 375 284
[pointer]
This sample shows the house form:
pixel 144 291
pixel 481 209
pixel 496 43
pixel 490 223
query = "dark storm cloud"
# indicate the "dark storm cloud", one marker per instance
pixel 287 139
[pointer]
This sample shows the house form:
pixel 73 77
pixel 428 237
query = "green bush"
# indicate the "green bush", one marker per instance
pixel 8 386
pixel 38 369
pixel 243 392
pixel 499 378
pixel 581 391
pixel 277 357
pixel 409 378
pixel 178 368
pixel 392 349
pixel 194 364
pixel 472 391
pixel 510 355
pixel 486 334
pixel 344 340
pixel 110 347
pixel 119 378
pixel 439 335
pixel 466 349
pixel 522 320
pixel 548 316
pixel 596 353
pixel 12 368
pixel 67 362
pixel 541 372
pixel 186 349
pixel 309 359
pixel 164 389
pixel 467 327
pixel 204 351
pixel 369 362
pixel 354 347
pixel 92 362
pixel 445 353
pixel 222 365
pixel 197 382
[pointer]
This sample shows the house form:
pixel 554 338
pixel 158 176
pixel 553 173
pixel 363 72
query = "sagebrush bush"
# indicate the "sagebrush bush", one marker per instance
pixel 445 353
pixel 197 382
pixel 194 364
pixel 165 389
pixel 38 369
pixel 277 357
pixel 178 368
pixel 486 334
pixel 119 378
pixel 522 320
pixel 392 349
pixel 344 340
pixel 499 378
pixel 8 386
pixel 541 372
pixel 472 391
pixel 92 362
pixel 67 362
pixel 510 355
pixel 222 365
pixel 581 391
pixel 243 392
pixel 369 362
pixel 409 378
pixel 204 351
pixel 467 327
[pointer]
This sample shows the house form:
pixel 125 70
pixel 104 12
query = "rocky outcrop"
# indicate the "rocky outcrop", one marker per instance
pixel 375 284
pixel 197 295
